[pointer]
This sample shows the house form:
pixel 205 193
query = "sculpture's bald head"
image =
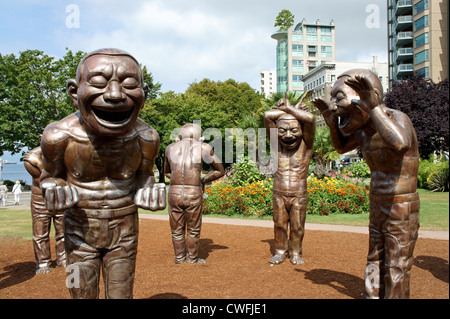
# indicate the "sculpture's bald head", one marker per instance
pixel 106 52
pixel 191 131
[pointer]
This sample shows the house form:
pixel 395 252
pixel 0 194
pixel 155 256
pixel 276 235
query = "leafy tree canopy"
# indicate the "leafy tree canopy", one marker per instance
pixel 426 104
pixel 284 19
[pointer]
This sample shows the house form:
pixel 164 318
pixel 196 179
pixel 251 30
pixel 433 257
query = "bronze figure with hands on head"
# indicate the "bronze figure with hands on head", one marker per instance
pixel 98 167
pixel 295 131
pixel 357 117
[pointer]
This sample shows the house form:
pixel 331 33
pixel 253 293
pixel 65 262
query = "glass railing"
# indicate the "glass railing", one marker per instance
pixel 404 35
pixel 405 51
pixel 402 19
pixel 404 3
pixel 405 67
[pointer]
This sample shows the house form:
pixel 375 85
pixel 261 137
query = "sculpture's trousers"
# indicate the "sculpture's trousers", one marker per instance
pixel 185 211
pixel 393 231
pixel 109 244
pixel 289 214
pixel 41 221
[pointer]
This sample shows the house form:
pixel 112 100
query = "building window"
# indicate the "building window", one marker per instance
pixel 420 6
pixel 421 39
pixel 297 81
pixel 326 51
pixel 297 50
pixel 424 71
pixel 297 65
pixel 311 30
pixel 325 30
pixel 420 23
pixel 421 56
pixel 297 37
pixel 311 38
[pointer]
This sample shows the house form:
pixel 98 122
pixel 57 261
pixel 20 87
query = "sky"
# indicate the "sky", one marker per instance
pixel 182 42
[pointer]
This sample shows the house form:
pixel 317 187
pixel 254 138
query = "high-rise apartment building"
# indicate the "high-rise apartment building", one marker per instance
pixel 418 39
pixel 300 50
pixel 268 82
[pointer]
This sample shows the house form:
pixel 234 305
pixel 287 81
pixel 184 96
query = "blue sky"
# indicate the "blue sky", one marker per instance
pixel 185 41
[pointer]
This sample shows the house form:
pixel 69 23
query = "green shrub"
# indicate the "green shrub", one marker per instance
pixel 245 173
pixel 359 170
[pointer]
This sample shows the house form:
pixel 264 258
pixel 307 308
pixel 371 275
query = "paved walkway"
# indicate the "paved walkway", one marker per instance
pixel 432 234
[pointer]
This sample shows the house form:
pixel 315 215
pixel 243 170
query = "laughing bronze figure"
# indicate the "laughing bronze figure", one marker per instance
pixel 357 117
pixel 294 147
pixel 98 167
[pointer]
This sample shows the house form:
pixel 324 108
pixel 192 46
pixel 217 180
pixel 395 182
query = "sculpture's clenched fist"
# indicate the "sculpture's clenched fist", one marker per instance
pixel 59 197
pixel 151 197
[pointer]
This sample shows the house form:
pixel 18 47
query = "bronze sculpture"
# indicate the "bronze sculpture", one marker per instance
pixel 357 117
pixel 183 166
pixel 294 147
pixel 42 218
pixel 98 167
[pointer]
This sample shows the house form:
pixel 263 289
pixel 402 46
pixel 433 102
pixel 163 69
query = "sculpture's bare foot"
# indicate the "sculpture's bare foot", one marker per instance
pixel 277 259
pixel 42 270
pixel 297 260
pixel 61 263
pixel 196 260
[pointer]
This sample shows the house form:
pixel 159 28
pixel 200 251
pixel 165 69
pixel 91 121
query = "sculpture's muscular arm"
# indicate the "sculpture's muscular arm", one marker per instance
pixel 270 120
pixel 53 144
pixel 388 123
pixel 149 143
pixel 167 169
pixel 33 163
pixel 393 128
pixel 215 163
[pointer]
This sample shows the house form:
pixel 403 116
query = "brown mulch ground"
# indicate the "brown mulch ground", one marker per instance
pixel 237 267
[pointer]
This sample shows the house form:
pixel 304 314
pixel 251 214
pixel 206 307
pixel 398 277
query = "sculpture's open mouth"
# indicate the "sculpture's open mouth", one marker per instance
pixel 343 120
pixel 289 142
pixel 112 117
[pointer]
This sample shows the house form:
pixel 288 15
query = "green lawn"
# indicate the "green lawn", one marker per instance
pixel 434 214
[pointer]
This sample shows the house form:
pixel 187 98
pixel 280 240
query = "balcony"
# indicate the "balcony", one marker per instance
pixel 405 68
pixel 403 38
pixel 403 54
pixel 403 7
pixel 403 22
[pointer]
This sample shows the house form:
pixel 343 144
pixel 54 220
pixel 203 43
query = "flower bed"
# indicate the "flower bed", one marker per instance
pixel 326 196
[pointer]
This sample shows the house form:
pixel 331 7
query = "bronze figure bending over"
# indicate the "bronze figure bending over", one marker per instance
pixel 183 165
pixel 294 147
pixel 42 218
pixel 98 167
pixel 357 117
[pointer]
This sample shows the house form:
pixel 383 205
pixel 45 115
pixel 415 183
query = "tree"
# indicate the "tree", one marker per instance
pixel 426 104
pixel 284 19
pixel 323 151
pixel 32 96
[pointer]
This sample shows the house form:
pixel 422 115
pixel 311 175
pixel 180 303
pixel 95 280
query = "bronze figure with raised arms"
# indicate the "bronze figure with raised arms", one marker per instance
pixel 357 117
pixel 295 128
